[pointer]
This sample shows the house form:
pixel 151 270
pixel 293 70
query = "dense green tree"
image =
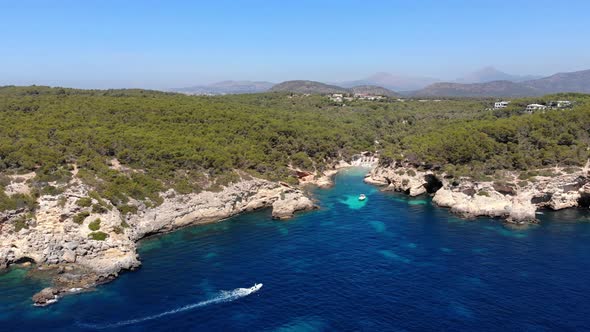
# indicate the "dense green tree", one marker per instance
pixel 165 140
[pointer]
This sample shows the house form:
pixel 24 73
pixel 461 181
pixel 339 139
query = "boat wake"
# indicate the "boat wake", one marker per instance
pixel 223 296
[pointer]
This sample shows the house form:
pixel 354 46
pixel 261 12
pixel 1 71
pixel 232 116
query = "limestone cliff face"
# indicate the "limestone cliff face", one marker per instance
pixel 182 210
pixel 492 204
pixel 511 199
pixel 52 236
pixel 404 179
pixel 59 233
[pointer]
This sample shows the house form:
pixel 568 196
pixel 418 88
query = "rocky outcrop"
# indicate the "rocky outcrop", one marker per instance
pixel 511 199
pixel 288 204
pixel 491 204
pixel 404 179
pixel 45 296
pixel 59 232
pixel 67 279
pixel 53 235
pixel 182 210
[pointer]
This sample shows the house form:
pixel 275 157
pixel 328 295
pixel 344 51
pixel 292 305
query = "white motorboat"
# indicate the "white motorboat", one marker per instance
pixel 255 287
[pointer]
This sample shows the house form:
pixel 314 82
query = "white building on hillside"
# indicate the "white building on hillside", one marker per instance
pixel 501 104
pixel 535 107
pixel 336 97
pixel 365 96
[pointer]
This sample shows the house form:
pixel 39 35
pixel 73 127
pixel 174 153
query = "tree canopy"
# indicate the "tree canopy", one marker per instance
pixel 165 140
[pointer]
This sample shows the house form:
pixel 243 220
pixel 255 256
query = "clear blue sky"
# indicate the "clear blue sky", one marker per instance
pixel 162 44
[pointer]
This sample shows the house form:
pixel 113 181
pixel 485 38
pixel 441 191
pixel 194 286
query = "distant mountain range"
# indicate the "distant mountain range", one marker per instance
pixel 487 82
pixel 412 83
pixel 227 87
pixel 488 89
pixel 578 81
pixel 392 82
pixel 490 74
pixel 313 87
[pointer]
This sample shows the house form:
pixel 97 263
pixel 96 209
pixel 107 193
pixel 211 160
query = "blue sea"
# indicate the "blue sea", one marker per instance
pixel 389 263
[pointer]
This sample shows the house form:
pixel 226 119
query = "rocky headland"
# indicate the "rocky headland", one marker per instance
pixel 80 246
pixel 516 197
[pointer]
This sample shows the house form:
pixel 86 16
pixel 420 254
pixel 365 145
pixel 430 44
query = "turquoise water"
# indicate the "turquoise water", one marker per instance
pixel 390 263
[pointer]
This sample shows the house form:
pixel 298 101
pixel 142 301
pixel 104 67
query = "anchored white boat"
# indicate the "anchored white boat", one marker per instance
pixel 362 197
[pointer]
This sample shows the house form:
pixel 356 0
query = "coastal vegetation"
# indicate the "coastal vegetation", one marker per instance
pixel 98 236
pixel 94 225
pixel 80 217
pixel 515 142
pixel 130 145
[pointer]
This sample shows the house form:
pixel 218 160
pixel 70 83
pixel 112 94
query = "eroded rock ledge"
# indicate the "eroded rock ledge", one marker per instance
pixel 59 237
pixel 512 198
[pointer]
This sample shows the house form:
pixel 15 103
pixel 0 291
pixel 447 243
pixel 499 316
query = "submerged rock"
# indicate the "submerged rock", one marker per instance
pixel 46 296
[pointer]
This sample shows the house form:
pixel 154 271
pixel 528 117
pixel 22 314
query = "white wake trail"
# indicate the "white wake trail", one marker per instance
pixel 223 296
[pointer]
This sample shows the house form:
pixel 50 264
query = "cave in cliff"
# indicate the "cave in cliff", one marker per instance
pixel 584 200
pixel 433 184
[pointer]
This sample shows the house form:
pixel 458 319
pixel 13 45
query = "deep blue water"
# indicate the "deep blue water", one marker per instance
pixel 388 264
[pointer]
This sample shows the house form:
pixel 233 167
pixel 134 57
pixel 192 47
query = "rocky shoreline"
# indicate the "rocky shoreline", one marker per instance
pixel 82 247
pixel 515 198
pixel 62 245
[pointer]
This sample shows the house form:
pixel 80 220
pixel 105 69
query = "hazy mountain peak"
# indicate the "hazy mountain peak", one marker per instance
pixel 486 74
pixel 381 76
pixel 227 87
pixel 395 82
pixel 490 74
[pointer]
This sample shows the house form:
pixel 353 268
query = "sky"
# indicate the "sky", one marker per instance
pixel 173 43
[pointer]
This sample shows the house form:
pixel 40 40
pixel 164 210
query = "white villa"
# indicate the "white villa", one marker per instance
pixel 535 107
pixel 365 96
pixel 337 97
pixel 501 104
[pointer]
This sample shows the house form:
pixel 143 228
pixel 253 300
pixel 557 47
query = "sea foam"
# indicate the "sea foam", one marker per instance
pixel 223 296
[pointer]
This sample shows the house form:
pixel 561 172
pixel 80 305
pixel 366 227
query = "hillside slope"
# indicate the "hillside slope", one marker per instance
pixel 578 81
pixel 563 82
pixel 489 89
pixel 312 87
pixel 373 90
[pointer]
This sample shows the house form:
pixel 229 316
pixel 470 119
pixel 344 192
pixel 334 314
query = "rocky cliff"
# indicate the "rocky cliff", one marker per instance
pixel 510 198
pixel 84 246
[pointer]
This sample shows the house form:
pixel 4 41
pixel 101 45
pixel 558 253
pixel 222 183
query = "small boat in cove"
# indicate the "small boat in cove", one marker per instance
pixel 362 197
